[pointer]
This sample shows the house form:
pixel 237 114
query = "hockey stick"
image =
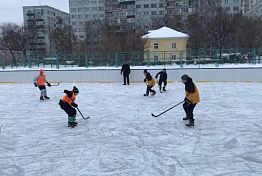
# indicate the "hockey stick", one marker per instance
pixel 167 110
pixel 82 114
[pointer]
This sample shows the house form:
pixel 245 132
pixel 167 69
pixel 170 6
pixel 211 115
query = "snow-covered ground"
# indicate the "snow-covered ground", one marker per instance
pixel 122 138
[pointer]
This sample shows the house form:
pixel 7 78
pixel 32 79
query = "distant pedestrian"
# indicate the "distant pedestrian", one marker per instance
pixel 162 79
pixel 125 71
pixel 191 99
pixel 150 82
pixel 39 82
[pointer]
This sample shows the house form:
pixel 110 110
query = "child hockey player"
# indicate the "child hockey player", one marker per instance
pixel 67 103
pixel 162 79
pixel 150 82
pixel 39 82
pixel 191 99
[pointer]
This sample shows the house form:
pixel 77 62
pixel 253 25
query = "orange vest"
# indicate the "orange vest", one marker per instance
pixel 41 80
pixel 69 100
pixel 151 82
pixel 193 97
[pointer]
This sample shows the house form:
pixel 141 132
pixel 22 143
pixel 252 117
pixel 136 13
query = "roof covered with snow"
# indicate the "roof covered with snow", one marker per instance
pixel 165 32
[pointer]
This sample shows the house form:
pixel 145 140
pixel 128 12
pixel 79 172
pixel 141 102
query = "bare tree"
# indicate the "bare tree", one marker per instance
pixel 12 39
pixel 61 37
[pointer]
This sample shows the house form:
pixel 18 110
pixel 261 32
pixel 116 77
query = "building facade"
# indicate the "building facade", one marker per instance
pixel 39 22
pixel 82 11
pixel 165 45
pixel 247 4
pixel 255 10
pixel 232 6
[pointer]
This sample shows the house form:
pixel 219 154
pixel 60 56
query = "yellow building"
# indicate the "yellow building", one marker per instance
pixel 164 45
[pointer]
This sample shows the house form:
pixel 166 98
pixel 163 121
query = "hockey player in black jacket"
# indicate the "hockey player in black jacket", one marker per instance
pixel 162 79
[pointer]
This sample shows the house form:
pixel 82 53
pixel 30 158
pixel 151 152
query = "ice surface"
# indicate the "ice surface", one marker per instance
pixel 122 138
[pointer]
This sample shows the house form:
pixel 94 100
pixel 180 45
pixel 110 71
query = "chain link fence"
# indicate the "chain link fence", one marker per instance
pixel 200 57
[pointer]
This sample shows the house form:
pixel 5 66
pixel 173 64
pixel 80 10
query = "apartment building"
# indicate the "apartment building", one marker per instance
pixel 232 6
pixel 255 10
pixel 39 22
pixel 82 11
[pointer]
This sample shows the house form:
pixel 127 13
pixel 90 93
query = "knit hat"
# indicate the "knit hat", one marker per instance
pixel 145 71
pixel 75 90
pixel 184 77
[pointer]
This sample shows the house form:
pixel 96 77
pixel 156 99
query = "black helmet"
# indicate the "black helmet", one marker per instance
pixel 184 77
pixel 145 71
pixel 164 69
pixel 75 90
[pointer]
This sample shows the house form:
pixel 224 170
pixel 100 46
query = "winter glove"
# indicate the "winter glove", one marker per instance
pixel 74 105
pixel 35 84
pixel 156 77
pixel 144 80
pixel 48 84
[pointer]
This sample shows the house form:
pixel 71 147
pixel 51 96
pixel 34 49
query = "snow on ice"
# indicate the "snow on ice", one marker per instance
pixel 122 138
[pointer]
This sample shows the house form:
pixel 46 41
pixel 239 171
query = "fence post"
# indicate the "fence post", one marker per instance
pixel 216 58
pixel 148 57
pixel 116 58
pixel 86 59
pixel 254 56
pixel 57 61
pixel 181 58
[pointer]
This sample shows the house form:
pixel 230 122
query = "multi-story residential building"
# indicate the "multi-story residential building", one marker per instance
pixel 82 11
pixel 177 11
pixel 255 10
pixel 150 14
pixel 247 4
pixel 39 22
pixel 232 6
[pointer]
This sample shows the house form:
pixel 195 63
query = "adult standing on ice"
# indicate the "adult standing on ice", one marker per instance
pixel 191 99
pixel 39 82
pixel 162 79
pixel 150 82
pixel 125 70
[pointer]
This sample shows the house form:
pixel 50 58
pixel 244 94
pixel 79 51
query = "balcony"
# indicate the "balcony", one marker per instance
pixel 126 1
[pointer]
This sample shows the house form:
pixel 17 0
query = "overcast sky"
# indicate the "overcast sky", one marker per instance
pixel 12 11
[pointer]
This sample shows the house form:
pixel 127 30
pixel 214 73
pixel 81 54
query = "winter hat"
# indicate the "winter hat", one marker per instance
pixel 75 90
pixel 145 71
pixel 184 77
pixel 164 69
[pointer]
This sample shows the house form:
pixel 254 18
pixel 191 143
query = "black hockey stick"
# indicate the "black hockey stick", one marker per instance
pixel 167 110
pixel 82 114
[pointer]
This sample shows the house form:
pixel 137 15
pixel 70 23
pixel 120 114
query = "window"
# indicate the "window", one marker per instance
pixel 153 5
pixel 226 1
pixel 161 5
pixel 236 1
pixel 173 57
pixel 138 6
pixel 227 8
pixel 153 13
pixel 235 8
pixel 146 6
pixel 173 45
pixel 155 58
pixel 156 46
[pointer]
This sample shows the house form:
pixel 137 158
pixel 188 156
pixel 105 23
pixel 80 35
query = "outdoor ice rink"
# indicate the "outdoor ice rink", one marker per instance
pixel 122 138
